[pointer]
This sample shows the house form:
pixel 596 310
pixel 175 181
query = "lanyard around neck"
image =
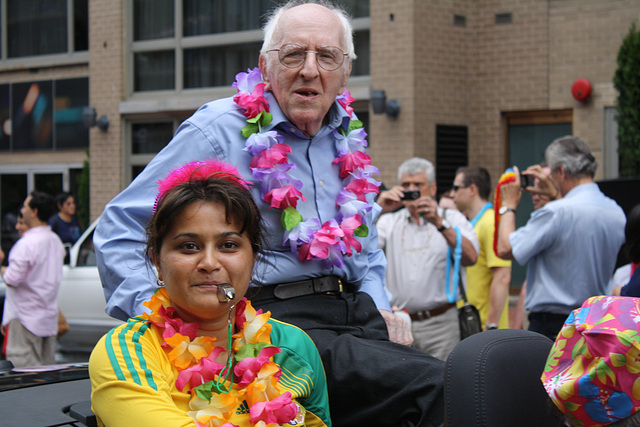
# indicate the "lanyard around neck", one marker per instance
pixel 475 219
pixel 452 291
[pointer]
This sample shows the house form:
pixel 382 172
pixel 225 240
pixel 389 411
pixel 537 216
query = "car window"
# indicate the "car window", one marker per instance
pixel 86 255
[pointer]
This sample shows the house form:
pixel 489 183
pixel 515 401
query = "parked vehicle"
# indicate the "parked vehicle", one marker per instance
pixel 81 298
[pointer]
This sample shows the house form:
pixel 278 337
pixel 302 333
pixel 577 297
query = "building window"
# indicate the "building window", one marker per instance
pixel 452 152
pixel 43 115
pixel 191 44
pixel 147 139
pixel 35 28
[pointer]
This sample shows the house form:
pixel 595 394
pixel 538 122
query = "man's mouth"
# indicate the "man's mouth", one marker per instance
pixel 307 93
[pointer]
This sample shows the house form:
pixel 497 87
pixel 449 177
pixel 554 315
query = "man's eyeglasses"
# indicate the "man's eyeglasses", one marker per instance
pixel 329 58
pixel 457 187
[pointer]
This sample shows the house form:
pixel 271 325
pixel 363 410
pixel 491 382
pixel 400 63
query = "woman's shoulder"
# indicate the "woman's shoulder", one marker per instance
pixel 286 335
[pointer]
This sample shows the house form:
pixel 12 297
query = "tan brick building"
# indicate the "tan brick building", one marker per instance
pixel 490 80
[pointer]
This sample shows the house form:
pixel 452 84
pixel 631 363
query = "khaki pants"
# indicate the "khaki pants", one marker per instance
pixel 27 349
pixel 438 335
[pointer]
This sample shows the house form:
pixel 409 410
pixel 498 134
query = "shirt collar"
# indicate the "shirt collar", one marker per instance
pixel 579 189
pixel 337 117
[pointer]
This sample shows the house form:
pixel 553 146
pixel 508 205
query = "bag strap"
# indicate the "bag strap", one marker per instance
pixel 456 255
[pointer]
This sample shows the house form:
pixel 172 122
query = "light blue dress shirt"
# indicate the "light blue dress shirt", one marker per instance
pixel 571 246
pixel 214 131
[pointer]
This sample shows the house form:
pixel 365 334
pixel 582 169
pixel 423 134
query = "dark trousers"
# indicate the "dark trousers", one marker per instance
pixel 372 381
pixel 548 324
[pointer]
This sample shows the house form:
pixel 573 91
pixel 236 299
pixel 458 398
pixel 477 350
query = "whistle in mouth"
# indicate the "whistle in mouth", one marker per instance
pixel 226 293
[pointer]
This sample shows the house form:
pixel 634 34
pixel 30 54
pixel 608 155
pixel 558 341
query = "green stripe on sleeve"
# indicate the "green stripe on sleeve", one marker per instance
pixel 112 356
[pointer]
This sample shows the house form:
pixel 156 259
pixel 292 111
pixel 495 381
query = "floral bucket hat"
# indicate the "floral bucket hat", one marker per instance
pixel 593 371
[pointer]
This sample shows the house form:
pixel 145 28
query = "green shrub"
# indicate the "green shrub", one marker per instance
pixel 627 81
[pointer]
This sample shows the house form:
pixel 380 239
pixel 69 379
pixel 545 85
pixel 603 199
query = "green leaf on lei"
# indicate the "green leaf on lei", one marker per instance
pixel 250 129
pixel 355 124
pixel 251 350
pixel 265 118
pixel 290 218
pixel 205 391
pixel 362 231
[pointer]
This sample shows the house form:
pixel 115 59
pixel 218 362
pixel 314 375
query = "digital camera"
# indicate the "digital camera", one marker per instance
pixel 410 195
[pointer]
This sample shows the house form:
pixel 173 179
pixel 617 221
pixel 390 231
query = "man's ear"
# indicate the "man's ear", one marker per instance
pixel 346 79
pixel 262 63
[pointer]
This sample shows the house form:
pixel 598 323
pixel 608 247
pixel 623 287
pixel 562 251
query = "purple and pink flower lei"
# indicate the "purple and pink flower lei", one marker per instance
pixel 271 167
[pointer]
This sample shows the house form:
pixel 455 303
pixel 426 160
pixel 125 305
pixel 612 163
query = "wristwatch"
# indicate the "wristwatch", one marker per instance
pixel 444 226
pixel 503 210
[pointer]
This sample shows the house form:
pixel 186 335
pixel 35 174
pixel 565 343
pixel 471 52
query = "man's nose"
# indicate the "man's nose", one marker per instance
pixel 310 69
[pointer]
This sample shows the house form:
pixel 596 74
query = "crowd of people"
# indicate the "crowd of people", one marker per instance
pixel 264 279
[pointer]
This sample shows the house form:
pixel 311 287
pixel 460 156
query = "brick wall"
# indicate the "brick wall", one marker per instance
pixel 446 74
pixel 107 70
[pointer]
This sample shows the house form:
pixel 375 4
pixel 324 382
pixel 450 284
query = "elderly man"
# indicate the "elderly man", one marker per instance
pixel 571 244
pixel 322 270
pixel 418 240
pixel 490 277
pixel 33 278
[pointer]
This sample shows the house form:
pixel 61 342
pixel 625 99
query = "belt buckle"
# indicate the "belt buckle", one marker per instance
pixel 340 287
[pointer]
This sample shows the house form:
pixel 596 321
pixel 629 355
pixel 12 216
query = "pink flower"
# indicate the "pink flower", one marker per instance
pixel 173 324
pixel 360 187
pixel 201 373
pixel 326 244
pixel 269 158
pixel 348 226
pixel 345 99
pixel 280 410
pixel 248 368
pixel 352 161
pixel 283 197
pixel 253 103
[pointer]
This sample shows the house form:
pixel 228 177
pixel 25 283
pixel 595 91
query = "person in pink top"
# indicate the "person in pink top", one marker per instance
pixel 33 278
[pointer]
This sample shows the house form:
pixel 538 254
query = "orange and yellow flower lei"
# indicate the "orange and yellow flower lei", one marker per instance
pixel 194 358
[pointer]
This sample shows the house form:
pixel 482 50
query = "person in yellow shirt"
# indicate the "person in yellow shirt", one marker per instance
pixel 202 354
pixel 489 278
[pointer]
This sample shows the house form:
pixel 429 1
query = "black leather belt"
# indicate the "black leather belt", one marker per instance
pixel 427 314
pixel 317 285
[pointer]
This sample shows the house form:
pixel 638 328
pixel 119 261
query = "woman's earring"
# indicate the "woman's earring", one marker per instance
pixel 160 283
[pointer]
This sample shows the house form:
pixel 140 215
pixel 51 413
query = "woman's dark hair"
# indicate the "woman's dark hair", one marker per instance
pixel 632 235
pixel 61 198
pixel 238 203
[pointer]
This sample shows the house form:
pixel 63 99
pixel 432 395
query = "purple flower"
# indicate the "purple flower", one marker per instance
pixel 258 142
pixel 246 82
pixel 301 233
pixel 350 205
pixel 354 141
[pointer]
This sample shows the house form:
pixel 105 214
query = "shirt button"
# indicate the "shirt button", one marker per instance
pixel 321 183
pixel 292 130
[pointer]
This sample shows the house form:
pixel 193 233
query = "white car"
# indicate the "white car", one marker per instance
pixel 81 298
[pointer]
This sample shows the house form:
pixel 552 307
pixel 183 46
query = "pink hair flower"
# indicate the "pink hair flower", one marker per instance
pixel 199 171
